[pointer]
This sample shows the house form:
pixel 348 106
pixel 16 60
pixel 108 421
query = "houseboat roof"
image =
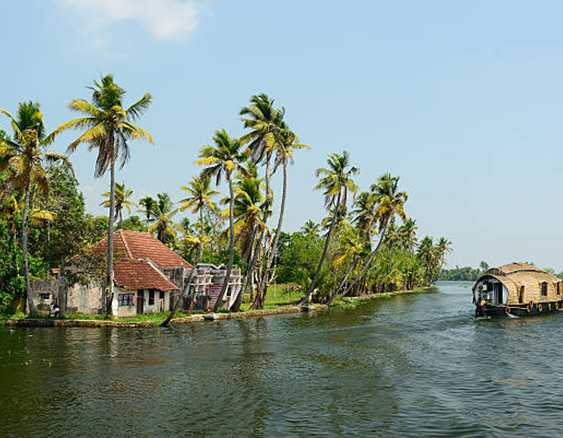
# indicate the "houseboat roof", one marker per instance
pixel 135 245
pixel 515 275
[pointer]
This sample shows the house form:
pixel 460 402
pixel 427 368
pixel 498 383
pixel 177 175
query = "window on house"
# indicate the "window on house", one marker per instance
pixel 544 289
pixel 125 300
pixel 151 297
pixel 44 296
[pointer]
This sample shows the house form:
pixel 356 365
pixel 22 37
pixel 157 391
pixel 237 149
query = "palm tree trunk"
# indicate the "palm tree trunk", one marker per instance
pixel 273 249
pixel 307 298
pixel 260 284
pixel 62 287
pixel 28 291
pixel 369 262
pixel 108 304
pixel 227 278
pixel 186 288
pixel 121 219
pixel 248 275
pixel 343 283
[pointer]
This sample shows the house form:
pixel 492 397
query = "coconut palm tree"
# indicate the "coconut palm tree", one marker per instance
pixel 121 200
pixel 164 227
pixel 444 247
pixel 108 129
pixel 286 143
pixel 337 183
pixel 407 233
pixel 351 245
pixel 428 254
pixel 149 205
pixel 221 159
pixel 249 227
pixel 23 158
pixel 311 228
pixel 199 196
pixel 364 214
pixel 390 203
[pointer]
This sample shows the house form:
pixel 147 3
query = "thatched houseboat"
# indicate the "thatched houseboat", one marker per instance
pixel 517 289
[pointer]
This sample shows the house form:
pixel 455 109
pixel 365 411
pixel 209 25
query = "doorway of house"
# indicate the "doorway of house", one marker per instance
pixel 140 301
pixel 497 288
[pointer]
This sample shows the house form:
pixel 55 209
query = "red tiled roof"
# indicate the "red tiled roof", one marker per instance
pixel 136 246
pixel 134 274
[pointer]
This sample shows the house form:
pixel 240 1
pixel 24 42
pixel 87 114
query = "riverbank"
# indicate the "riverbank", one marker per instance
pixel 154 320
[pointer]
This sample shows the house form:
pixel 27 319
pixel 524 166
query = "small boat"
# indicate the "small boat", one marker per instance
pixel 517 289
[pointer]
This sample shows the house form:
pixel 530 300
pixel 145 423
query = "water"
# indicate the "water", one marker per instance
pixel 406 366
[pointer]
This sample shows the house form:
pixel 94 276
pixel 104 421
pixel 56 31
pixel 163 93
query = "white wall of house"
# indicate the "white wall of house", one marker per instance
pixel 128 310
pixel 160 303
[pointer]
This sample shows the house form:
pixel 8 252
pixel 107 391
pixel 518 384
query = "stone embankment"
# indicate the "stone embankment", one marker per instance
pixel 30 322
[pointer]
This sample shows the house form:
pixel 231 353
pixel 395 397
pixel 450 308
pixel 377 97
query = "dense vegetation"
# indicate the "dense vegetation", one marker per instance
pixel 366 243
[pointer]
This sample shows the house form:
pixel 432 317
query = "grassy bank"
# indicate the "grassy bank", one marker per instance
pixel 280 297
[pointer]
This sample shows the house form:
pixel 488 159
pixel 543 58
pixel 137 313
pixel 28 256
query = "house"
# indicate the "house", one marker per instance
pixel 148 278
pixel 517 289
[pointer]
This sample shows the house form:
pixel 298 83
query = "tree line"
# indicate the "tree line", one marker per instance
pixel 365 243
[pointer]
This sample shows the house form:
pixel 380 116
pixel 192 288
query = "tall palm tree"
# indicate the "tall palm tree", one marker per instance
pixel 248 206
pixel 311 228
pixel 108 128
pixel 390 203
pixel 149 204
pixel 23 158
pixel 164 227
pixel 265 123
pixel 199 196
pixel 221 159
pixel 351 245
pixel 337 183
pixel 286 143
pixel 122 195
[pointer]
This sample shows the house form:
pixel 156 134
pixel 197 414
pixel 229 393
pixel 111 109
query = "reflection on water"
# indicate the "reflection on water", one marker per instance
pixel 416 365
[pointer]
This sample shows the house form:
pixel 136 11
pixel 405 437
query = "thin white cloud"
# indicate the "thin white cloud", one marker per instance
pixel 165 19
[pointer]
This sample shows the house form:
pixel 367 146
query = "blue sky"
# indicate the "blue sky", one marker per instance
pixel 463 100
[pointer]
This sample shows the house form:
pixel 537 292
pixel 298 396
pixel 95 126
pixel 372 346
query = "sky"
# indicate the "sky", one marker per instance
pixel 462 100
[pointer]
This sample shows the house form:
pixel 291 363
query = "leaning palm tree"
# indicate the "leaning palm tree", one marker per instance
pixel 286 143
pixel 108 128
pixel 351 245
pixel 23 158
pixel 149 206
pixel 199 196
pixel 337 183
pixel 221 159
pixel 164 227
pixel 121 200
pixel 390 203
pixel 248 206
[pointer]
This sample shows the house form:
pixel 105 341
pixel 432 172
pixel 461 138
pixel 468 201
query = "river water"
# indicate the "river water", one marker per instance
pixel 405 366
